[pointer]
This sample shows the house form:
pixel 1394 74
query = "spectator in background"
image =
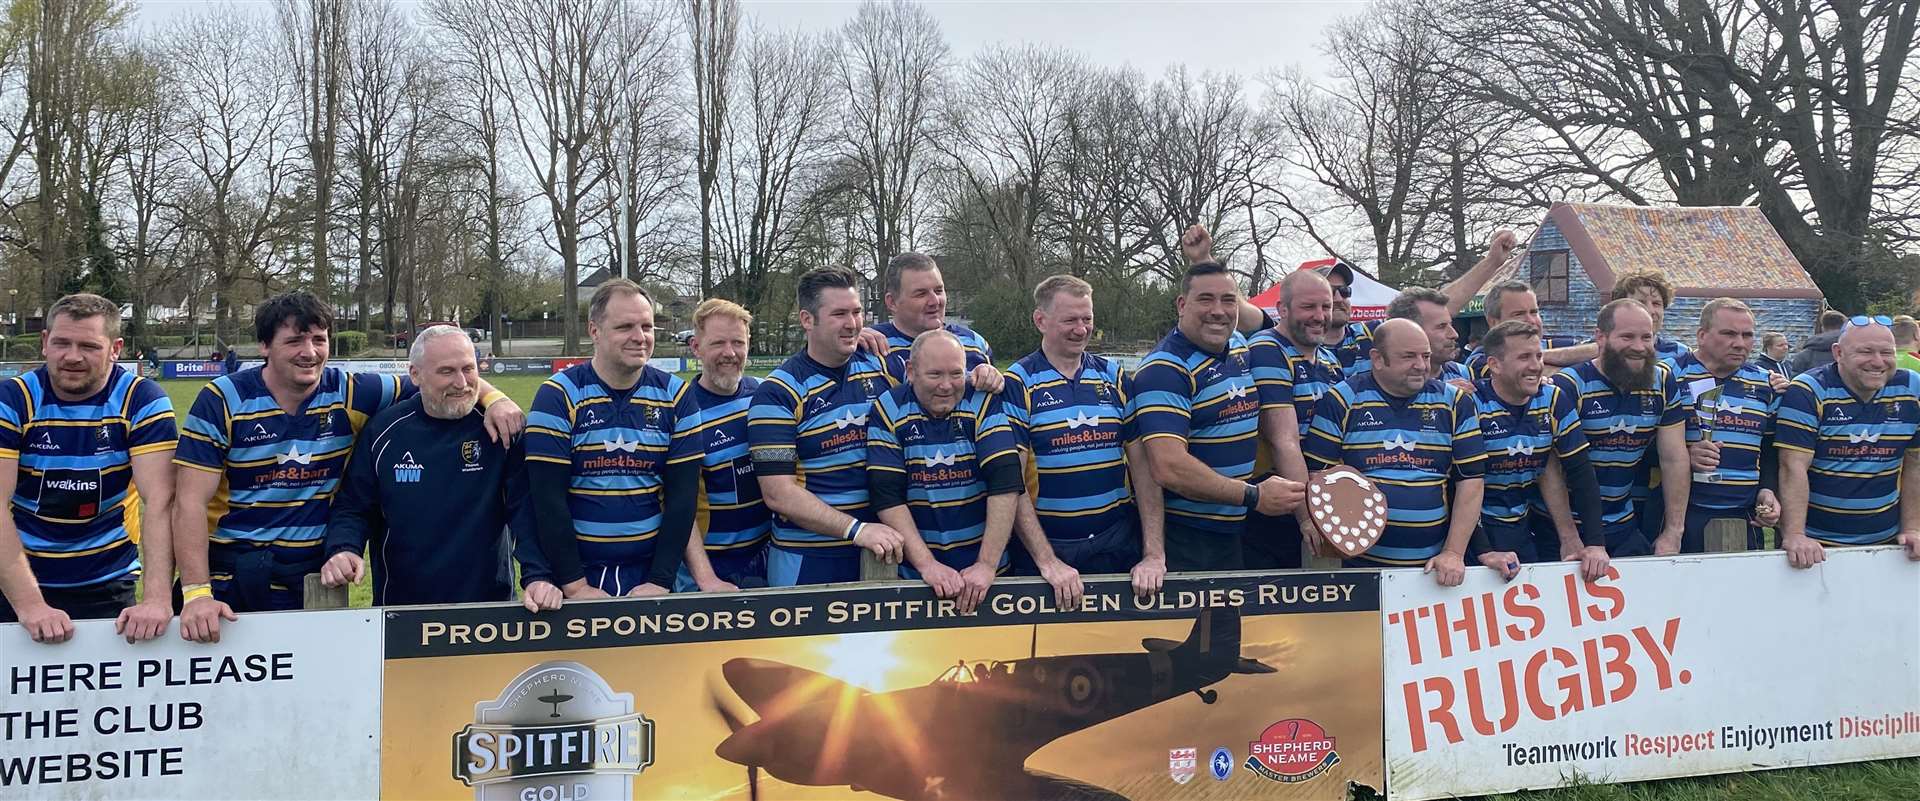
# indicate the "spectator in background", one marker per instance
pixel 1817 351
pixel 1655 293
pixel 1906 343
pixel 1773 354
pixel 232 361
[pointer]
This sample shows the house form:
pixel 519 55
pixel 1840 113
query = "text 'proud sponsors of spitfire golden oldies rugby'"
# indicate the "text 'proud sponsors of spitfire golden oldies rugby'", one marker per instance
pixel 1242 687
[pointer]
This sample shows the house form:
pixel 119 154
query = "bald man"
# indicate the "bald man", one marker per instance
pixel 943 469
pixel 1418 438
pixel 1848 433
pixel 1291 371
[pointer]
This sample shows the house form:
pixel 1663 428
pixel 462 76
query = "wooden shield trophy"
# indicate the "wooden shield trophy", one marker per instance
pixel 1347 510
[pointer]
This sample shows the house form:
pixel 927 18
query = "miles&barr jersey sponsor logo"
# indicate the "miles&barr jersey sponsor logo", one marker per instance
pixel 557 726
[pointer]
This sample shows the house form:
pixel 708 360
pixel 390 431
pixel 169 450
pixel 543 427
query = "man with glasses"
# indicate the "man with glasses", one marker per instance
pixel 1847 433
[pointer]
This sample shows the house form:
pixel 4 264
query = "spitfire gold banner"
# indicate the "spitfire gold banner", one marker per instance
pixel 1218 687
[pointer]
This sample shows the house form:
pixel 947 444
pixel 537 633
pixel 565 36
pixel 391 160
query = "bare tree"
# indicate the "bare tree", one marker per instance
pixel 713 26
pixel 1799 105
pixel 893 55
pixel 780 140
pixel 1003 129
pixel 313 34
pixel 640 147
pixel 559 80
pixel 228 128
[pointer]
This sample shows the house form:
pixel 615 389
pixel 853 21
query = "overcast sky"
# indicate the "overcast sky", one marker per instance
pixel 1242 37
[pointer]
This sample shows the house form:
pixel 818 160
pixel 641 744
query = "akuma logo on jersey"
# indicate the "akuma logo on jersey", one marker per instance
pixel 556 720
pixel 408 471
pixel 1292 751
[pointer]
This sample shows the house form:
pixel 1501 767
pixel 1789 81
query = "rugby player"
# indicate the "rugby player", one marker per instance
pixel 1418 439
pixel 1093 505
pixel 732 522
pixel 1728 434
pixel 943 469
pixel 1632 410
pixel 614 459
pixel 1849 439
pixel 1291 370
pixel 83 444
pixel 807 432
pixel 1515 300
pixel 1195 406
pixel 916 298
pixel 261 454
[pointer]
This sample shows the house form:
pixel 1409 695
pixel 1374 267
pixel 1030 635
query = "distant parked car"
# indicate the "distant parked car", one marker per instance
pixel 684 337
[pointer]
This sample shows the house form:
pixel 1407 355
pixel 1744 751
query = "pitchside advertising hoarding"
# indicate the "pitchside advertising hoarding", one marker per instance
pixel 1228 687
pixel 285 706
pixel 1664 668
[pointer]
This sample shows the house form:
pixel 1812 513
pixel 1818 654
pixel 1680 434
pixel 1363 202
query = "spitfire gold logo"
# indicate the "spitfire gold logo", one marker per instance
pixel 556 731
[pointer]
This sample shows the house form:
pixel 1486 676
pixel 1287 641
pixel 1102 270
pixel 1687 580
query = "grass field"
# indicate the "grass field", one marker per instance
pixel 1891 780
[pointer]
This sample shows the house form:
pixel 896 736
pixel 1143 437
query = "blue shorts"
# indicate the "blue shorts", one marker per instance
pixel 959 558
pixel 800 566
pixel 617 580
pixel 745 568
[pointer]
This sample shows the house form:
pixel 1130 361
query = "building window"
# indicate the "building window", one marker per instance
pixel 1548 274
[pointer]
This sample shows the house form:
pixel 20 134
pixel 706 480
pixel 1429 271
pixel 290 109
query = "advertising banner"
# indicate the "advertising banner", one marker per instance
pixel 283 707
pixel 515 366
pixel 192 369
pixel 1665 667
pixel 1223 687
pixel 668 364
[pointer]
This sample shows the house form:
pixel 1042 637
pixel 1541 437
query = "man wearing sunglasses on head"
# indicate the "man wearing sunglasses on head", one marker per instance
pixel 1847 432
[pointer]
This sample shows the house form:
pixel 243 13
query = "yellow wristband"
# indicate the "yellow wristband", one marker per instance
pixel 193 592
pixel 491 397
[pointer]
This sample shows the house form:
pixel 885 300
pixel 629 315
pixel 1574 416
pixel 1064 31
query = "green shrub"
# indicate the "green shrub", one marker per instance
pixel 347 343
pixel 24 348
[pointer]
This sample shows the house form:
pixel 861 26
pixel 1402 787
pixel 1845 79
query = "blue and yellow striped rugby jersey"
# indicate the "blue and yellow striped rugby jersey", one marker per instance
pixel 821 413
pixel 899 345
pixel 1476 360
pixel 1620 428
pixel 1355 342
pixel 1209 403
pixel 1413 448
pixel 617 444
pixel 1858 446
pixel 74 503
pixel 944 460
pixel 1074 430
pixel 731 513
pixel 278 471
pixel 1363 356
pixel 1285 376
pixel 1518 439
pixel 1740 421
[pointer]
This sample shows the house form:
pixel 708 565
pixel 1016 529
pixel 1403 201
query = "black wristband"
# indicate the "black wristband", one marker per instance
pixel 1251 498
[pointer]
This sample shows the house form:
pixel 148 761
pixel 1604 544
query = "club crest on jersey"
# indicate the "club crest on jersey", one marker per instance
pixel 470 456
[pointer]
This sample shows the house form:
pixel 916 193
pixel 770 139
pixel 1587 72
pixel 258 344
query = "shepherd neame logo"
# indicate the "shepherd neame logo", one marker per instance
pixel 558 731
